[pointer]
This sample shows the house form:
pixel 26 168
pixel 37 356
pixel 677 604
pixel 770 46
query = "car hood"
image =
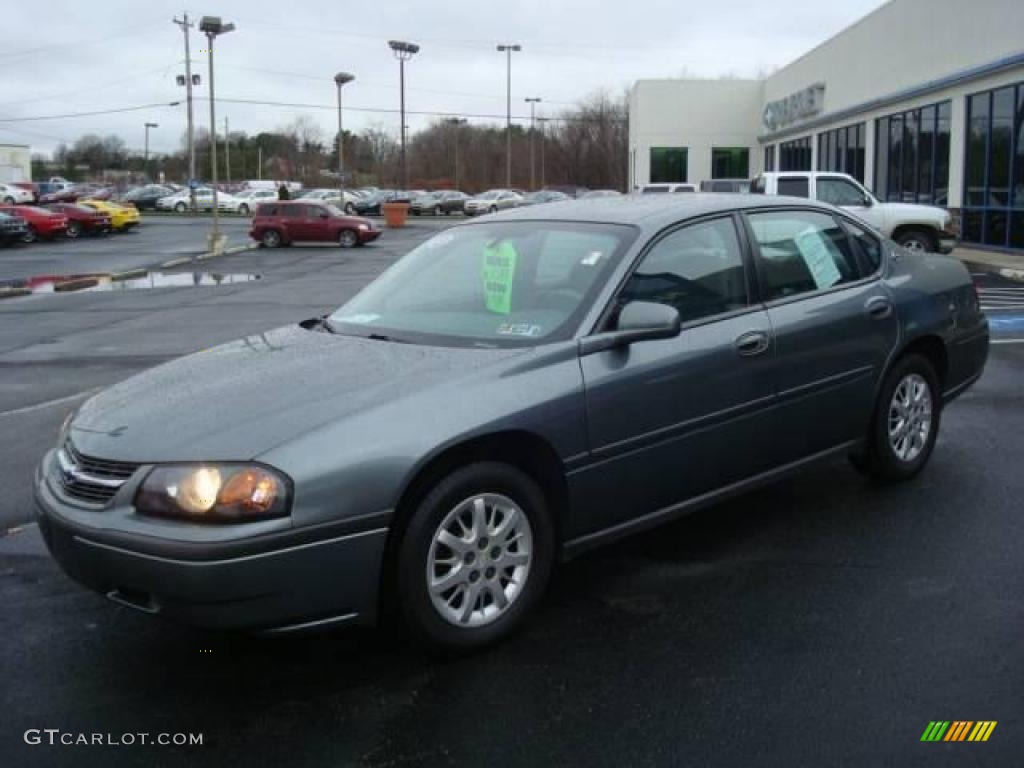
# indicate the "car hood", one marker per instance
pixel 913 211
pixel 241 399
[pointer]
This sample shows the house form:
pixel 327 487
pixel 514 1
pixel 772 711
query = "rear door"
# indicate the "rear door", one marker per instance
pixel 293 219
pixel 833 324
pixel 671 419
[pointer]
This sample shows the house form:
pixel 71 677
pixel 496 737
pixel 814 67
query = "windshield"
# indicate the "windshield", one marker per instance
pixel 491 195
pixel 494 284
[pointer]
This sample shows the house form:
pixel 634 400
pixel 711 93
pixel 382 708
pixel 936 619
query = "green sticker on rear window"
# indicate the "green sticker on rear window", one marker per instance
pixel 499 273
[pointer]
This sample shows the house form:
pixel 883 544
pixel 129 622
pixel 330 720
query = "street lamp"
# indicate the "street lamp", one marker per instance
pixel 403 52
pixel 340 79
pixel 533 101
pixel 456 123
pixel 145 153
pixel 212 26
pixel 543 143
pixel 507 50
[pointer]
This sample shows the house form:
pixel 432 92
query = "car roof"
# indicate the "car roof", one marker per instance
pixel 650 211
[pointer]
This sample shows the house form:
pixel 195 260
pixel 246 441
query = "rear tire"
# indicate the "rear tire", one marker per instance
pixel 498 566
pixel 74 229
pixel 905 424
pixel 437 210
pixel 917 240
pixel 243 209
pixel 9 200
pixel 30 235
pixel 271 238
pixel 180 207
pixel 350 209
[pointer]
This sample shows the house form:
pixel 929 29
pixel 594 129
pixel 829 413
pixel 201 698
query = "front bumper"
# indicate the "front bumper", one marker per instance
pixel 945 244
pixel 291 580
pixel 368 235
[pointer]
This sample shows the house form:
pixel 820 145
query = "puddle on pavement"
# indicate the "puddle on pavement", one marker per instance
pixel 128 281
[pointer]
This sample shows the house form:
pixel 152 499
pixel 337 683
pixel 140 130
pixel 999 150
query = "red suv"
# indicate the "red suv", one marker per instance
pixel 41 222
pixel 285 222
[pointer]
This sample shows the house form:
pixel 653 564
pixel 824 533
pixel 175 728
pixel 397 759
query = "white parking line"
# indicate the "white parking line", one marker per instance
pixel 1006 341
pixel 50 403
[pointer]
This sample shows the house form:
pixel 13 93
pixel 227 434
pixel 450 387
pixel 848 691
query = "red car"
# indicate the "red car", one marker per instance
pixel 286 222
pixel 41 222
pixel 82 218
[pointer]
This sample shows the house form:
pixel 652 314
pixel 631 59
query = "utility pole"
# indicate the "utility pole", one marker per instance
pixel 533 101
pixel 507 49
pixel 259 162
pixel 543 143
pixel 227 152
pixel 145 157
pixel 184 23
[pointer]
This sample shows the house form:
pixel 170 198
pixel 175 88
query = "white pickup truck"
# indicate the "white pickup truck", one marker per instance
pixel 915 227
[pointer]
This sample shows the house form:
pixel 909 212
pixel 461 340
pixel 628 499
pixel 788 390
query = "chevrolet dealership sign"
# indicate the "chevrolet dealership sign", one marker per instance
pixel 809 101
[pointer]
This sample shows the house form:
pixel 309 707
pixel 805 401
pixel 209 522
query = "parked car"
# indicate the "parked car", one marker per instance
pixel 13 195
pixel 332 197
pixel 512 392
pixel 181 201
pixel 661 189
pixel 735 186
pixel 443 201
pixel 82 218
pixel 544 196
pixel 246 201
pixel 145 198
pixel 12 229
pixel 915 227
pixel 294 221
pixel 370 205
pixel 40 223
pixel 595 193
pixel 122 217
pixel 491 201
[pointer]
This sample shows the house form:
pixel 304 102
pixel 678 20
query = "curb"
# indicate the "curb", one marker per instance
pixel 11 293
pixel 75 285
pixel 210 255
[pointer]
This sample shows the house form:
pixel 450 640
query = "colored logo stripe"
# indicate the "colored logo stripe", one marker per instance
pixel 958 730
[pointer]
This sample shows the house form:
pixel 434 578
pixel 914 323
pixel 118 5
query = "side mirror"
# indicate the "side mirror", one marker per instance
pixel 638 321
pixel 867 202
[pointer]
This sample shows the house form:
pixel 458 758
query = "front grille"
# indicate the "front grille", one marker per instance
pixel 89 479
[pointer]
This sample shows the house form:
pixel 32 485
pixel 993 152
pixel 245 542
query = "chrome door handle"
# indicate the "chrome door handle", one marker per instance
pixel 751 343
pixel 878 307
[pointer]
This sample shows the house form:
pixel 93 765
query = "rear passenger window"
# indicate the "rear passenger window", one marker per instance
pixel 870 246
pixel 697 269
pixel 802 252
pixel 267 210
pixel 293 211
pixel 794 186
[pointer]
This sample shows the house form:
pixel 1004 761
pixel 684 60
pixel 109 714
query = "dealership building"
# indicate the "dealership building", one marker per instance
pixel 921 100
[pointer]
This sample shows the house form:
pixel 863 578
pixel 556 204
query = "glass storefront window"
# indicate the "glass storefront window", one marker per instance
pixel 994 168
pixel 842 151
pixel 769 158
pixel 795 155
pixel 668 164
pixel 912 155
pixel 730 163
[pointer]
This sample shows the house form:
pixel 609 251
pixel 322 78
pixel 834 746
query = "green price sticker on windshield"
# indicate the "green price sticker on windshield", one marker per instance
pixel 499 273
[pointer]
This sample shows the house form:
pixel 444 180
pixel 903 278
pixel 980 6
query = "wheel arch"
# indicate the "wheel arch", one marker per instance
pixel 921 226
pixel 931 347
pixel 523 449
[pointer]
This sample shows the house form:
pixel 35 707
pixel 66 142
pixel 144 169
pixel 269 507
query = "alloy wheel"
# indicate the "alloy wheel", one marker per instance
pixel 914 245
pixel 479 560
pixel 347 238
pixel 910 417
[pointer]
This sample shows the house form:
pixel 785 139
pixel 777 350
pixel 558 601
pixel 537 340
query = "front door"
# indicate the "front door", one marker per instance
pixel 843 193
pixel 674 418
pixel 834 326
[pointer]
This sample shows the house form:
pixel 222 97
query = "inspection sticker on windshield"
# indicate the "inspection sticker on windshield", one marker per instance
pixel 816 255
pixel 591 258
pixel 499 273
pixel 518 329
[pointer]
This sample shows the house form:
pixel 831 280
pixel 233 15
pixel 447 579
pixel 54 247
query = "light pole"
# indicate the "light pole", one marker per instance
pixel 340 79
pixel 543 143
pixel 533 101
pixel 145 154
pixel 189 80
pixel 403 52
pixel 456 123
pixel 507 50
pixel 212 26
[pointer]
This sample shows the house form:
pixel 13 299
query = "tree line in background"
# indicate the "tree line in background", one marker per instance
pixel 584 146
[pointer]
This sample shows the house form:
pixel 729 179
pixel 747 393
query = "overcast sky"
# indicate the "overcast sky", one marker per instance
pixel 66 56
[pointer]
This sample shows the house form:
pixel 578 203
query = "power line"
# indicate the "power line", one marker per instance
pixel 134 30
pixel 69 115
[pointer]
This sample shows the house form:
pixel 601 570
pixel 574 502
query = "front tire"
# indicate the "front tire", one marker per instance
pixel 243 209
pixel 917 241
pixel 906 421
pixel 74 229
pixel 475 557
pixel 180 207
pixel 271 238
pixel 347 238
pixel 30 235
pixel 350 209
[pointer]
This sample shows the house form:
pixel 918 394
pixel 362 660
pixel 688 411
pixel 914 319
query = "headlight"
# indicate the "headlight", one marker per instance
pixel 364 227
pixel 214 493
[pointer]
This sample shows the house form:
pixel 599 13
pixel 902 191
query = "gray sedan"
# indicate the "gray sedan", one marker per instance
pixel 512 392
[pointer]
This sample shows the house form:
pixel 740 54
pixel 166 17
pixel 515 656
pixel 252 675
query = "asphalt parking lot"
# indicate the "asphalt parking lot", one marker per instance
pixel 822 621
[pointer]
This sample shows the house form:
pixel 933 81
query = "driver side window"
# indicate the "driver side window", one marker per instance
pixel 839 192
pixel 697 269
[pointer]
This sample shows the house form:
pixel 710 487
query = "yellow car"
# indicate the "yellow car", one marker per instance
pixel 122 217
